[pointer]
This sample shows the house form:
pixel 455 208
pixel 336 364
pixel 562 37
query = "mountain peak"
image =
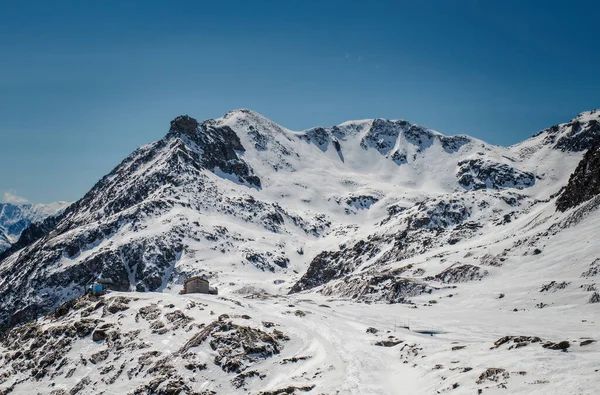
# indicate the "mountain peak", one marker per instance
pixel 587 116
pixel 242 112
pixel 184 123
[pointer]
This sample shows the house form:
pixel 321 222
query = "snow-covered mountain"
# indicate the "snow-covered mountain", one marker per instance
pixel 15 218
pixel 455 237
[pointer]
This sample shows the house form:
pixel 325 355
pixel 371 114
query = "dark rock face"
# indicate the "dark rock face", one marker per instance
pixel 474 174
pixel 441 214
pixel 584 183
pixel 219 148
pixel 581 136
pixel 563 345
pixel 388 287
pixel 361 201
pixel 454 143
pixel 578 135
pixel 399 157
pixel 320 137
pixel 383 135
pixel 326 266
pixel 220 153
pixel 419 136
pixel 461 273
pixel 494 375
pixel 518 341
pixel 184 124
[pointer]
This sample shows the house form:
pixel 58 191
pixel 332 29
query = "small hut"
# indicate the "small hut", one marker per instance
pixel 195 285
pixel 96 289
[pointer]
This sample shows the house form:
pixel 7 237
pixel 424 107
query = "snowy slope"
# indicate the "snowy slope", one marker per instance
pixel 14 218
pixel 387 223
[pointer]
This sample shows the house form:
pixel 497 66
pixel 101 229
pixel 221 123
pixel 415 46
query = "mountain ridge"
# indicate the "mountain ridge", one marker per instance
pixel 441 259
pixel 191 168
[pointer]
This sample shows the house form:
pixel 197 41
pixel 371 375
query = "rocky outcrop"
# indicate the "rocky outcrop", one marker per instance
pixel 461 273
pixel 86 335
pixel 385 287
pixel 584 183
pixel 474 174
pixel 580 134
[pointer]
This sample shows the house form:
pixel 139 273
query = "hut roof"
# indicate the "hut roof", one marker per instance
pixel 196 278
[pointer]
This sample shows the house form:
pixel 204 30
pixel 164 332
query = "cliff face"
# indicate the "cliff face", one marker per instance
pixel 584 183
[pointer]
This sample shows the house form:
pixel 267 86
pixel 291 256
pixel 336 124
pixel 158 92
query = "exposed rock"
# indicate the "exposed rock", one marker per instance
pixel 584 183
pixel 389 343
pixel 593 271
pixel 563 345
pixel 461 273
pixel 288 390
pixel 481 174
pixel 99 335
pixel 493 374
pixel 554 286
pixel 518 341
pixel 577 135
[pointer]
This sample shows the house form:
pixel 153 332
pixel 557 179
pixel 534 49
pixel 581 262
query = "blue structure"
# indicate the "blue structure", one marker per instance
pixel 96 289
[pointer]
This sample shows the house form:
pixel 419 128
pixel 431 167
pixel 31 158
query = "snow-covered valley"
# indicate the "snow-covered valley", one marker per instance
pixel 372 257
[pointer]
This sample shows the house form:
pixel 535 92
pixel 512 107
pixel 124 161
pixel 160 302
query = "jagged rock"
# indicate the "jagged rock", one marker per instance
pixel 493 374
pixel 481 174
pixel 238 345
pixel 584 183
pixel 577 135
pixel 388 343
pixel 461 273
pixel 288 390
pixel 593 271
pixel 563 345
pixel 554 286
pixel 240 380
pixel 386 286
pixel 99 356
pixel 185 124
pixel 99 335
pixel 518 341
pixel 295 359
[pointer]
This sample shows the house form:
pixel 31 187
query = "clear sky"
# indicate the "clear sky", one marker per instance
pixel 82 83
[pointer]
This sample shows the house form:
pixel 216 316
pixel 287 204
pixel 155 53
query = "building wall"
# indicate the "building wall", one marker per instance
pixel 196 286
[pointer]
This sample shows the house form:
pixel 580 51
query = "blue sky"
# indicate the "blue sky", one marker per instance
pixel 82 84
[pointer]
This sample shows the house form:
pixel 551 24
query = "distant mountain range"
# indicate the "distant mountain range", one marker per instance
pixel 14 218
